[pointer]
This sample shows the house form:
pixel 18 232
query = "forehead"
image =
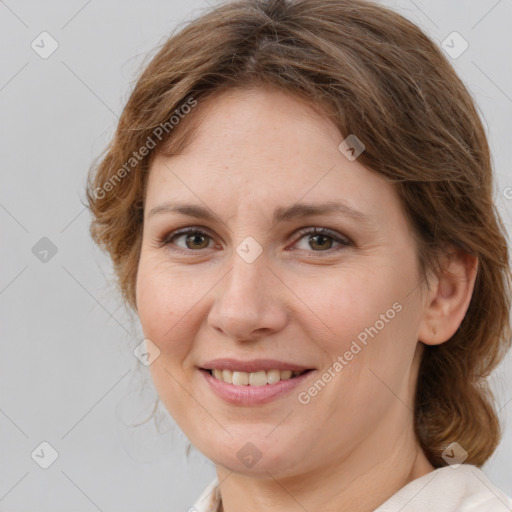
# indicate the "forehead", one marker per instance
pixel 248 118
pixel 267 147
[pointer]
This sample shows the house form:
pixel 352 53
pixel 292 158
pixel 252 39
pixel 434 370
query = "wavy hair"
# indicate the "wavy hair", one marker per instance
pixel 377 75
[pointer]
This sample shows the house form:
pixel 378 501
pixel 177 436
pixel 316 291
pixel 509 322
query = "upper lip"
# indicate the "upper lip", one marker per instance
pixel 254 365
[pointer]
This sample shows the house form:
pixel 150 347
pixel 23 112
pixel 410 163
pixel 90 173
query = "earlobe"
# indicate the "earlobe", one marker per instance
pixel 448 300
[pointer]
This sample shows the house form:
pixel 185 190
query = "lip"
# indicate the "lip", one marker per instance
pixel 253 395
pixel 255 365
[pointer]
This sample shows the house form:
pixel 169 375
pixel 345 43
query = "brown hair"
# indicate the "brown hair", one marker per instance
pixel 381 78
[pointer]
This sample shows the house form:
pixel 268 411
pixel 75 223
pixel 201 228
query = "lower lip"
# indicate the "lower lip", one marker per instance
pixel 253 395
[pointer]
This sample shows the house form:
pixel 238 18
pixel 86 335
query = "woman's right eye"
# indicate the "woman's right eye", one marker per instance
pixel 193 239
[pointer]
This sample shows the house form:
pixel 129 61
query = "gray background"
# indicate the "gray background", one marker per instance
pixel 67 372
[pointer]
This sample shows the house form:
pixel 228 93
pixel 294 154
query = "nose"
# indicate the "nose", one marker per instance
pixel 249 301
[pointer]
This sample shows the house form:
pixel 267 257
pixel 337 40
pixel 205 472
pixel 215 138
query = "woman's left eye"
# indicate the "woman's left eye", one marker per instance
pixel 320 240
pixel 320 237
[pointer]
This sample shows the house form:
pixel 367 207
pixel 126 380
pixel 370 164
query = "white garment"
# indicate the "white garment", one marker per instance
pixel 463 488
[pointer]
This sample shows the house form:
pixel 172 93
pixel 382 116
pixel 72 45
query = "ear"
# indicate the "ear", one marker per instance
pixel 448 298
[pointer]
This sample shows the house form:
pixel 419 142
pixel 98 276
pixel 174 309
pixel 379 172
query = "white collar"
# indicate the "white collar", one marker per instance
pixel 464 488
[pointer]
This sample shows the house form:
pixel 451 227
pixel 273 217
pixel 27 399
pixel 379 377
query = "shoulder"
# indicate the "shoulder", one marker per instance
pixel 480 494
pixel 464 488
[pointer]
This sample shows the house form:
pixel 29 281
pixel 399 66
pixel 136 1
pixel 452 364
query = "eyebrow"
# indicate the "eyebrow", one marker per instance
pixel 285 213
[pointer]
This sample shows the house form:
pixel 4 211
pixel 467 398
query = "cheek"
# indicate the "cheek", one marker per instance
pixel 165 302
pixel 365 317
pixel 163 308
pixel 346 304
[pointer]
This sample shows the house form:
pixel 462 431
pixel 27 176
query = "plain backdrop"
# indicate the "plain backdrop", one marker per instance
pixel 68 377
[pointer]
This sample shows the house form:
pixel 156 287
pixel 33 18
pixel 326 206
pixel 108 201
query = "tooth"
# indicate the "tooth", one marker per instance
pixel 273 376
pixel 240 378
pixel 258 379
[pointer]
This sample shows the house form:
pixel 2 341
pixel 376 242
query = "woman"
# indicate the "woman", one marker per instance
pixel 298 206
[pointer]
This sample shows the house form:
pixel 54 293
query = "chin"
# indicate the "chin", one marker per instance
pixel 255 453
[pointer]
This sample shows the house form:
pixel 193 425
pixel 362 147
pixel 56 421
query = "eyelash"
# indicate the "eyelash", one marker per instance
pixel 343 241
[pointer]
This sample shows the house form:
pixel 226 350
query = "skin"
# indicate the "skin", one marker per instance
pixel 302 300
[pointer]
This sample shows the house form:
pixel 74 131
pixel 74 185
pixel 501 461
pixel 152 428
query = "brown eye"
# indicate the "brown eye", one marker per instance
pixel 194 240
pixel 322 240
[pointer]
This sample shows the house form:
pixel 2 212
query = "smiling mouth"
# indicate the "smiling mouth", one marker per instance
pixel 259 378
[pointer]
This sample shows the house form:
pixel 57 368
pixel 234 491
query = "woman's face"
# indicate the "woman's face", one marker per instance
pixel 345 304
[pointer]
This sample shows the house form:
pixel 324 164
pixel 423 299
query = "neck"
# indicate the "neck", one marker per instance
pixel 362 482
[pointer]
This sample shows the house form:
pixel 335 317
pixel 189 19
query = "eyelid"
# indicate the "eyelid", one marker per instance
pixel 316 230
pixel 166 239
pixel 342 240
